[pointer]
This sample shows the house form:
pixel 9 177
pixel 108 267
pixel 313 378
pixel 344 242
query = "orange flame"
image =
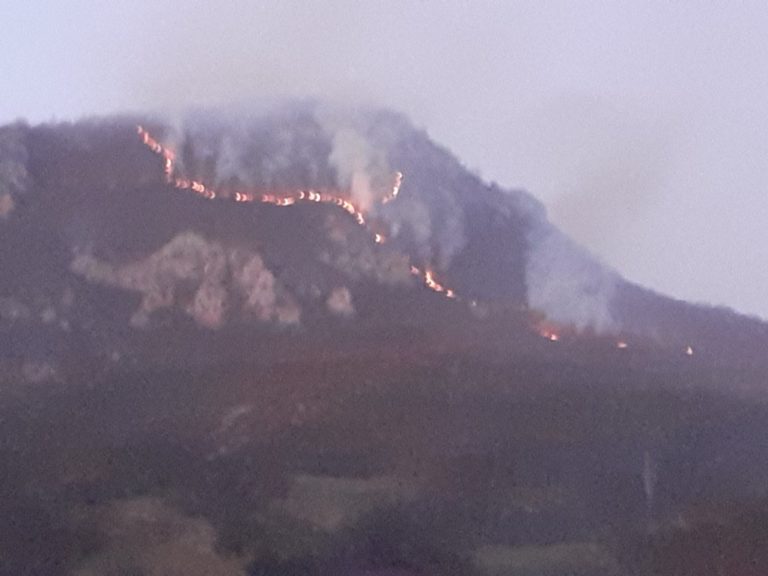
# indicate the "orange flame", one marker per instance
pixel 428 277
pixel 395 188
pixel 284 200
pixel 321 197
pixel 209 193
pixel 549 334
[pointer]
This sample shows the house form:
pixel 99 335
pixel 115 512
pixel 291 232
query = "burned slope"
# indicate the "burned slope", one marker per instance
pixel 267 388
pixel 96 239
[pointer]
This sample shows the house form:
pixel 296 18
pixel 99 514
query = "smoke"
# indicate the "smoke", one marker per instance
pixel 305 145
pixel 230 164
pixel 450 236
pixel 429 213
pixel 360 260
pixel 358 159
pixel 411 218
pixel 606 167
pixel 352 157
pixel 149 536
pixel 14 178
pixel 568 284
pixel 340 302
pixel 191 264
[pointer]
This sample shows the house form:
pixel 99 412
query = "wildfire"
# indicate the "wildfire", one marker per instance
pixel 549 334
pixel 159 149
pixel 428 277
pixel 293 197
pixel 395 188
pixel 288 199
pixel 432 284
pixel 285 199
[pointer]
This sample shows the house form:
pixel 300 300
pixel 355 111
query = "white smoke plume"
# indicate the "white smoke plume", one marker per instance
pixel 14 178
pixel 352 159
pixel 267 147
pixel 568 284
pixel 230 164
pixel 190 262
pixel 303 145
pixel 650 478
pixel 340 302
pixel 360 164
pixel 300 145
pixel 415 216
pixel 149 536
pixel 275 147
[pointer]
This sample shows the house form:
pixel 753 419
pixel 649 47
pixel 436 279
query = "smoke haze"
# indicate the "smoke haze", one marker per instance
pixel 646 143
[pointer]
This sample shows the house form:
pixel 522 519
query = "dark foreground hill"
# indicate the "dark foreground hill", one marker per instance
pixel 197 385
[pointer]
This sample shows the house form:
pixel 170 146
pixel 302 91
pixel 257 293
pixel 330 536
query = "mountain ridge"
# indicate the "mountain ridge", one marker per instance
pixel 101 200
pixel 205 362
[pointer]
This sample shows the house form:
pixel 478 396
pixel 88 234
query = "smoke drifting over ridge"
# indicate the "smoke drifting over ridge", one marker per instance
pixel 316 145
pixel 506 62
pixel 425 207
pixel 351 157
pixel 14 178
pixel 568 284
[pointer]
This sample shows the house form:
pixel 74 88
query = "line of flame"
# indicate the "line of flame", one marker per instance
pixel 286 199
pixel 290 198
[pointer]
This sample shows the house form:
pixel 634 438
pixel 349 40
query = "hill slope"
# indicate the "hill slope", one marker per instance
pixel 246 345
pixel 93 220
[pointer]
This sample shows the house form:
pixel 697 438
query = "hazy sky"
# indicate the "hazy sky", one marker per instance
pixel 643 126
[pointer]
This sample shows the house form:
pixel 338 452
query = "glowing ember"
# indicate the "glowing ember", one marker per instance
pixel 428 277
pixel 621 345
pixel 157 148
pixel 209 193
pixel 549 335
pixel 689 351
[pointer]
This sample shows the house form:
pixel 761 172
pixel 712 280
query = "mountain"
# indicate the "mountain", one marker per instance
pixel 307 339
pixel 92 220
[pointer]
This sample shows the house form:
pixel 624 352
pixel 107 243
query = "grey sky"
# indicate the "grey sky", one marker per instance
pixel 643 126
